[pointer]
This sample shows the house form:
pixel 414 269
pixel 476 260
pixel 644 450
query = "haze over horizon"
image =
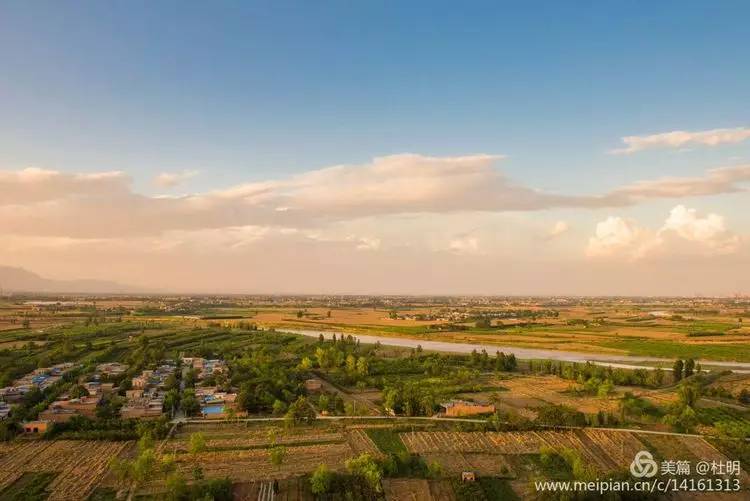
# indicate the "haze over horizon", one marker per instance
pixel 390 148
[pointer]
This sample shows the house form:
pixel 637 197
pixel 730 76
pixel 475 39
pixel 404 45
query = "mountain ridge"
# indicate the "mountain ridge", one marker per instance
pixel 16 279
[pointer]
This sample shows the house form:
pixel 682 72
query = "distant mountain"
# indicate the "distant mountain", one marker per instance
pixel 21 280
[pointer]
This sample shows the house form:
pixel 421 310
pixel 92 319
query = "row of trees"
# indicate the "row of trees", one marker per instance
pixel 583 372
pixel 684 369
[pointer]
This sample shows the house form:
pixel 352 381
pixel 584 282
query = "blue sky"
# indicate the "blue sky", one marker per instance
pixel 251 90
pixel 244 92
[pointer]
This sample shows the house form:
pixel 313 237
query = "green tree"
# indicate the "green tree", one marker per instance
pixel 677 370
pixel 279 407
pixel 197 443
pixel 277 454
pixel 305 364
pixel 511 363
pixel 321 480
pixel 434 469
pixel 351 364
pixel 146 441
pixel 324 402
pixel 689 367
pixel 177 488
pixel 369 469
pixel 299 412
pixel 144 466
pixel 605 388
pixel 246 398
pixel 78 391
pixel 684 419
pixel 189 403
pixel 362 366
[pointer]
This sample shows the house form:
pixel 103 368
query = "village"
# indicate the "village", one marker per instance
pixel 143 395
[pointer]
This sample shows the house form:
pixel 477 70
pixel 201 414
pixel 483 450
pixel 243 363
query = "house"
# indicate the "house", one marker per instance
pixel 55 414
pixel 62 410
pixel 12 394
pixel 313 385
pixel 112 368
pixel 140 382
pixel 131 394
pixel 4 410
pixel 205 367
pixel 458 408
pixel 149 405
pixel 35 426
pixel 468 476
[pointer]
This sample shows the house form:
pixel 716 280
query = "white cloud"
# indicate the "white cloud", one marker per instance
pixel 38 202
pixel 368 243
pixel 620 236
pixel 33 185
pixel 172 179
pixel 467 245
pixel 679 139
pixel 558 229
pixel 714 182
pixel 683 232
pixel 709 231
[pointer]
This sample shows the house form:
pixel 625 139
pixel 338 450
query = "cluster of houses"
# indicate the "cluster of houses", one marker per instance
pixel 41 378
pixel 66 407
pixel 205 367
pixel 214 402
pixel 145 399
pixel 111 369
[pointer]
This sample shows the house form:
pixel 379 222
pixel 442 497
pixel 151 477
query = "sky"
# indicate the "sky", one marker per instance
pixel 601 148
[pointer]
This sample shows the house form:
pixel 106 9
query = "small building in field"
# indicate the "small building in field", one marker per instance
pixel 35 426
pixel 468 476
pixel 459 408
pixel 313 385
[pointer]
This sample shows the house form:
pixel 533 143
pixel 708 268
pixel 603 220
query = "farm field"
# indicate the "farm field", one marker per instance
pixel 228 436
pixel 509 454
pixel 530 392
pixel 78 466
pixel 595 446
pixel 242 452
pixel 254 464
pixel 707 328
